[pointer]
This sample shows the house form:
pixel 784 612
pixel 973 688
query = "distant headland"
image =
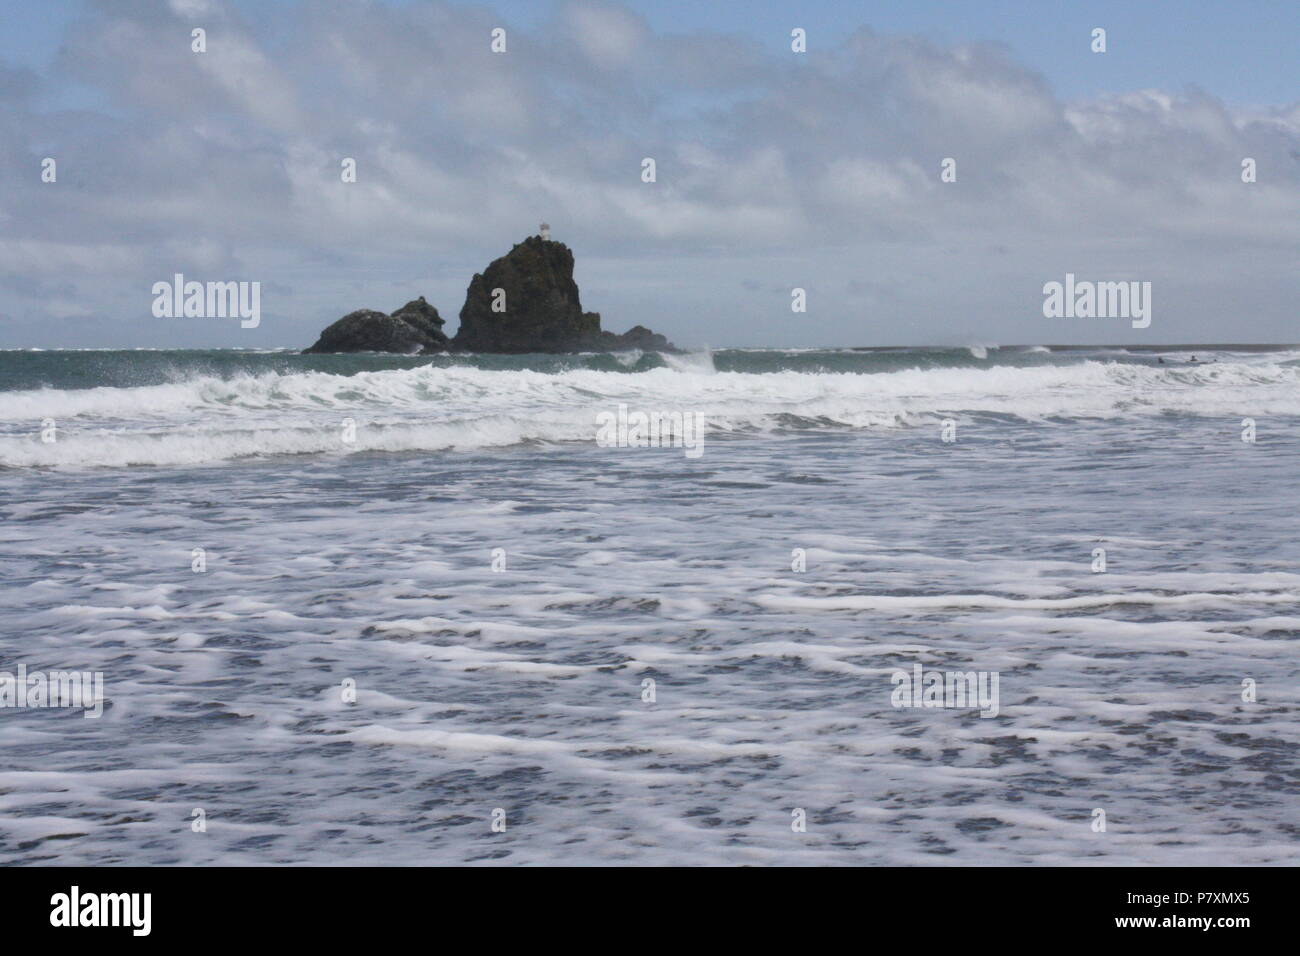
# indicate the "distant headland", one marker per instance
pixel 525 301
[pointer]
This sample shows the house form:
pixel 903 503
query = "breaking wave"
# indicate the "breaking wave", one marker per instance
pixel 199 417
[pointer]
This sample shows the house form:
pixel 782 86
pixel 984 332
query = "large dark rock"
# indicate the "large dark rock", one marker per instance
pixel 409 331
pixel 541 313
pixel 540 309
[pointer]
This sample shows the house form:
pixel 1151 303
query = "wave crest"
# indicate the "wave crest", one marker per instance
pixel 433 407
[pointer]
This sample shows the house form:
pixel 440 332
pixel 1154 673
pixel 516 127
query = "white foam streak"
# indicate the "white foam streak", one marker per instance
pixel 209 419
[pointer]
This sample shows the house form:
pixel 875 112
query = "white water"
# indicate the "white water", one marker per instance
pixel 521 688
pixel 210 419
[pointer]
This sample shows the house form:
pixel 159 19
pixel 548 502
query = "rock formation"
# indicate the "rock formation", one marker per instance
pixel 525 301
pixel 415 328
pixel 426 319
pixel 637 337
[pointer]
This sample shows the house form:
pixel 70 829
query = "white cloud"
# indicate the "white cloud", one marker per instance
pixel 609 35
pixel 230 159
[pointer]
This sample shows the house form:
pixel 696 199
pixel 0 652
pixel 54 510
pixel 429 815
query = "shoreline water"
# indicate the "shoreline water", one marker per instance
pixel 361 650
pixel 1147 347
pixel 116 409
pixel 518 683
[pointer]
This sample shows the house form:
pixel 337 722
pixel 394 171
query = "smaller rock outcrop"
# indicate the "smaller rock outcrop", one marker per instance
pixel 637 337
pixel 414 329
pixel 424 317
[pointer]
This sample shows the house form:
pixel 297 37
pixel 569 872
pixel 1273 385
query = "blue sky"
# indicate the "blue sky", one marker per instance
pixel 1246 52
pixel 775 170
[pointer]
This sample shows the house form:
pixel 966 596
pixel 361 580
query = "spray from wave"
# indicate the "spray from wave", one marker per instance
pixel 198 417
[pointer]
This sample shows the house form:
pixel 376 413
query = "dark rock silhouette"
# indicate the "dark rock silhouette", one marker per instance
pixel 525 301
pixel 415 328
pixel 637 337
pixel 424 317
pixel 538 308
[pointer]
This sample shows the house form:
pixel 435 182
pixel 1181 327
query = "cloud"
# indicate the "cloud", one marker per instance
pixel 608 35
pixel 822 168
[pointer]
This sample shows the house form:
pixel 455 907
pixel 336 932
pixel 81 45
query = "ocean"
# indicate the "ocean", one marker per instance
pixel 365 609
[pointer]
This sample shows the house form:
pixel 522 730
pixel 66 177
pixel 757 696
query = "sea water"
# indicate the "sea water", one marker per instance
pixel 376 609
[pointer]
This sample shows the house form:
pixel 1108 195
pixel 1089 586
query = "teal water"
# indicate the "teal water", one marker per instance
pixel 28 369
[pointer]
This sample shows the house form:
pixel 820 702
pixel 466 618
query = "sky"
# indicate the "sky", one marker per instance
pixel 774 169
